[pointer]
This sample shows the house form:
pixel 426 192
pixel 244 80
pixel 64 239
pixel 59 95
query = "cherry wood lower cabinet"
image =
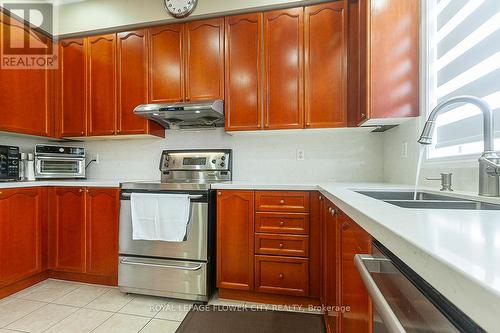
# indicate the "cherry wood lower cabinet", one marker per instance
pixel 67 229
pixel 83 233
pixel 235 239
pixel 341 283
pixel 102 231
pixel 354 240
pixel 264 246
pixel 21 212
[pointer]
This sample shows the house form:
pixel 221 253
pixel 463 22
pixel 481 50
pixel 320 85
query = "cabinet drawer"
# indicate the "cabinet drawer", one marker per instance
pixel 282 275
pixel 291 202
pixel 285 245
pixel 276 223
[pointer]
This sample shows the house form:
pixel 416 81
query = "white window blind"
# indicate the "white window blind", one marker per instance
pixel 464 45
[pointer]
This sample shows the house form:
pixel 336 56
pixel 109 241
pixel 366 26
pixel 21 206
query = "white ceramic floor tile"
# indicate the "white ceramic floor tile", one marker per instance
pixel 82 321
pixel 14 309
pixel 47 291
pixel 174 310
pixel 7 331
pixel 81 296
pixel 144 306
pixel 113 300
pixel 122 323
pixel 160 326
pixel 218 301
pixel 42 319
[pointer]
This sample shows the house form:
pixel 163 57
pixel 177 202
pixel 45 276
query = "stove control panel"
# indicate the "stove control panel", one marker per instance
pixel 196 160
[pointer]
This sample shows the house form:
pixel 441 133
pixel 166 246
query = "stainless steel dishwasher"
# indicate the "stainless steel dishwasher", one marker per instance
pixel 403 301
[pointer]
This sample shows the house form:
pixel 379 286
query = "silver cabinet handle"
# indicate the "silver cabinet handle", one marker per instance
pixel 135 263
pixel 383 308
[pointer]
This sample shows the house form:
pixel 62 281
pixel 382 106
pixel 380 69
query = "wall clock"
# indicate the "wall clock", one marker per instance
pixel 180 8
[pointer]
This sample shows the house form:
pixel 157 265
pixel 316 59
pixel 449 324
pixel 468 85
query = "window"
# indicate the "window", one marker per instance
pixel 463 59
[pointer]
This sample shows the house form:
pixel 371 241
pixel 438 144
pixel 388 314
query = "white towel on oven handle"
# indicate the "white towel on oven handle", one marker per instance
pixel 160 217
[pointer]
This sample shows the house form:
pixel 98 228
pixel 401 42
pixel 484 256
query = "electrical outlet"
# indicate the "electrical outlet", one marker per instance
pixel 300 155
pixel 404 150
pixel 95 157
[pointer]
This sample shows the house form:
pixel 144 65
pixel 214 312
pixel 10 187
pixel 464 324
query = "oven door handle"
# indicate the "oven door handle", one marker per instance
pixel 391 321
pixel 191 197
pixel 135 263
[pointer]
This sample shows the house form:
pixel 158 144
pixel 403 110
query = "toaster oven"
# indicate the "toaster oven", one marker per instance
pixel 59 162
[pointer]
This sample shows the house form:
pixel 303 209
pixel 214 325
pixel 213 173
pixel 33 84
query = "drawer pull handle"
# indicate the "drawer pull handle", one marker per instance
pixel 282 202
pixel 282 276
pixel 281 245
pixel 282 223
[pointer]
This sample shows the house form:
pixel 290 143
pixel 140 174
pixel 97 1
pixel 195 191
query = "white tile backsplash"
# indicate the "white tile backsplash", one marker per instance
pixel 342 155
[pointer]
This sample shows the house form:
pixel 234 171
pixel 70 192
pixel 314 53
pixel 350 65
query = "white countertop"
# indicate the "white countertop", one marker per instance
pixel 456 251
pixel 263 185
pixel 71 183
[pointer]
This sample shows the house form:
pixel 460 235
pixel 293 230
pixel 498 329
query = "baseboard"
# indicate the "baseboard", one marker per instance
pixel 250 296
pixel 85 278
pixel 23 284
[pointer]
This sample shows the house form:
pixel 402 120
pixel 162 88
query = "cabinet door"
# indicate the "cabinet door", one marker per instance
pixel 67 229
pixel 325 65
pixel 71 114
pixel 20 234
pixel 204 58
pixel 166 64
pixel 25 94
pixel 243 81
pixel 331 265
pixel 283 64
pixel 132 81
pixel 354 241
pixel 235 240
pixel 101 79
pixel 102 231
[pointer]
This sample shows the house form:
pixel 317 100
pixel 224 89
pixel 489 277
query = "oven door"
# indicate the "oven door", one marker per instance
pixel 59 167
pixel 194 247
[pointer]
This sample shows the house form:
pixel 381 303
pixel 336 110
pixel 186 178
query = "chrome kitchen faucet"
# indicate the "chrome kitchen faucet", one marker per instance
pixel 489 162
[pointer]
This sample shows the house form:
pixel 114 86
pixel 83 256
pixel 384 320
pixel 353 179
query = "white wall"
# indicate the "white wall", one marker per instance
pixel 25 143
pixel 400 170
pixel 103 14
pixel 343 155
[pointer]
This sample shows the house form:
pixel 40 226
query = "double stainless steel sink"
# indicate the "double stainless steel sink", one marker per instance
pixel 426 200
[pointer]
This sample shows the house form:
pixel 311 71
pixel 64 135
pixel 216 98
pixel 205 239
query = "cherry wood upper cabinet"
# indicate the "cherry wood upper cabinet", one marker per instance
pixel 132 80
pixel 394 94
pixel 26 101
pixel 71 115
pixel 384 61
pixel 243 77
pixel 204 59
pixel 284 69
pixel 235 240
pixel 67 229
pixel 325 82
pixel 20 234
pixel 101 77
pixel 102 231
pixel 166 64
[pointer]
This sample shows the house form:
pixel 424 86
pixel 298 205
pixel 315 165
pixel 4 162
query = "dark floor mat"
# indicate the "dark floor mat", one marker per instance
pixel 217 319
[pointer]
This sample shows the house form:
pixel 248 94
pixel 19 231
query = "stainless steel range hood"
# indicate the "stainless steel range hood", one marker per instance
pixel 185 115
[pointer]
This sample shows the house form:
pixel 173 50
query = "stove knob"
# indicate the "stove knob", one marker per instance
pixel 223 158
pixel 214 161
pixel 222 164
